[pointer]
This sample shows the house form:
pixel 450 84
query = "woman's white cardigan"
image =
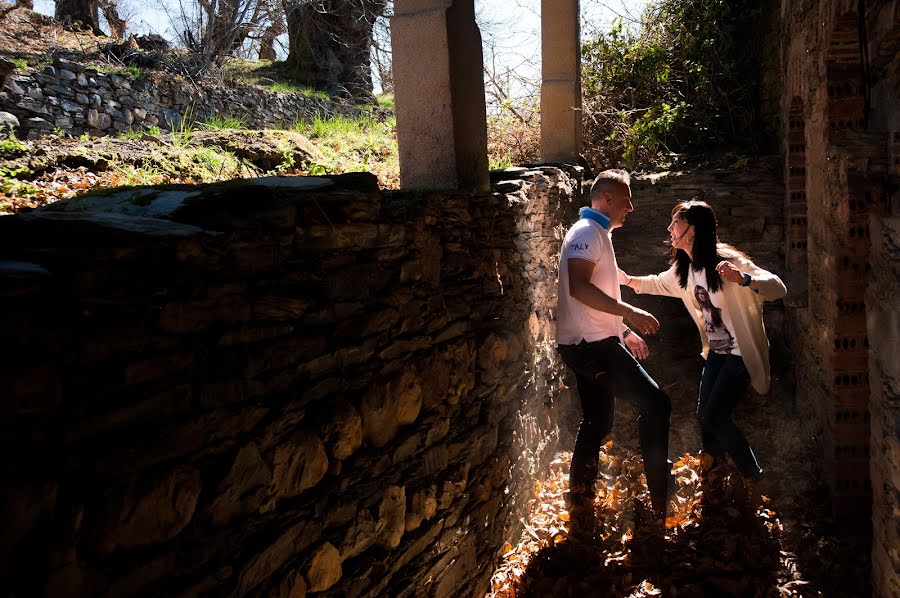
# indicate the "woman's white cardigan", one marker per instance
pixel 745 306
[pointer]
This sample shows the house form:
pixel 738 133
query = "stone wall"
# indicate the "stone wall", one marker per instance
pixel 841 98
pixel 276 387
pixel 75 99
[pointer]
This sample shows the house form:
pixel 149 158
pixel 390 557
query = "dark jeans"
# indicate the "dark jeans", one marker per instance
pixel 725 380
pixel 605 371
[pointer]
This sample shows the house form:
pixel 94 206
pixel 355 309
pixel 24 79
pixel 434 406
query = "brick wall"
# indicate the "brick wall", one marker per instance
pixel 841 82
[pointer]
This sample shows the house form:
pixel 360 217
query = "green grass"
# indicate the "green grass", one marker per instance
pixel 268 74
pixel 223 122
pixel 352 144
pixel 182 133
pixel 20 63
pixel 386 100
pixel 10 148
pixel 137 134
pixel 339 126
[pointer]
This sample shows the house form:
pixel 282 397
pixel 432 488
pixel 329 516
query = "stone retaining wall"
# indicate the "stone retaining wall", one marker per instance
pixel 276 386
pixel 73 99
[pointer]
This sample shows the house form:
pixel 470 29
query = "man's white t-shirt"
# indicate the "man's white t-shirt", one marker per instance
pixel 716 318
pixel 575 321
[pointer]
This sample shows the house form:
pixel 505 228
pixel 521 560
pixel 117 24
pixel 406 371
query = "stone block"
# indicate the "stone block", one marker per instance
pixel 298 464
pixel 146 512
pixel 342 432
pixel 273 557
pixel 242 491
pixel 392 517
pixel 324 569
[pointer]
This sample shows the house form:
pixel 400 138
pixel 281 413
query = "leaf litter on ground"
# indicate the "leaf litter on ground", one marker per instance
pixel 713 542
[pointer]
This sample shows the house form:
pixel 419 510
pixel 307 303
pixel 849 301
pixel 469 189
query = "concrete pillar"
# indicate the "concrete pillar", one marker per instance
pixel 439 95
pixel 561 80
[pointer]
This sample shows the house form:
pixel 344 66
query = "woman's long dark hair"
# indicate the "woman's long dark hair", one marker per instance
pixel 707 250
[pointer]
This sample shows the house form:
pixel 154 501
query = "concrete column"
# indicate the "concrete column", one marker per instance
pixel 561 80
pixel 439 95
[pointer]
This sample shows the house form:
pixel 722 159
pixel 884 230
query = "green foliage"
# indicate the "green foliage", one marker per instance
pixel 182 132
pixel 386 100
pixel 688 81
pixel 223 122
pixel 10 148
pixel 303 90
pixel 496 163
pixel 356 144
pixel 20 63
pixel 135 134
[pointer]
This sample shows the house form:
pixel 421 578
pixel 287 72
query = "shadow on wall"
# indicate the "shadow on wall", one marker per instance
pixel 275 385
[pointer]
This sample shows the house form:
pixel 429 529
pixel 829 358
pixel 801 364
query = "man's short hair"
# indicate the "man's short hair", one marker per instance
pixel 609 179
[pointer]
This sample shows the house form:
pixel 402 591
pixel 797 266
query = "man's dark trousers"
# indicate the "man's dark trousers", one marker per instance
pixel 605 370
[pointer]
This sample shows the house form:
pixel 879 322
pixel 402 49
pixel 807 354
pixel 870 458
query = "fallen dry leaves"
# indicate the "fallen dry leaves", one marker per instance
pixel 712 544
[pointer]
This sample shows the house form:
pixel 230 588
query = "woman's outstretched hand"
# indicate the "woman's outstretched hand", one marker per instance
pixel 729 272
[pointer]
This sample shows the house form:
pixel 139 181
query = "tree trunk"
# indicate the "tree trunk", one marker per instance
pixel 329 44
pixel 117 25
pixel 83 11
pixel 267 43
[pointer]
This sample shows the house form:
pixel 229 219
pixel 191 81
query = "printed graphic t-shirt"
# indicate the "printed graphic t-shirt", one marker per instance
pixel 715 314
pixel 575 321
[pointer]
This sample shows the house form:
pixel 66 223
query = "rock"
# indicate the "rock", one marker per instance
pixel 63 122
pixel 359 536
pixel 343 432
pixel 93 118
pixel 8 121
pixel 147 512
pixel 408 396
pixel 69 65
pixel 15 88
pixel 23 507
pixel 288 545
pixel 35 93
pixel 291 585
pixel 65 75
pixel 82 80
pixel 379 416
pixel 38 124
pixel 324 569
pixel 297 465
pixel 392 517
pixel 33 106
pixel 415 512
pixel 82 99
pixel 7 68
pixel 242 490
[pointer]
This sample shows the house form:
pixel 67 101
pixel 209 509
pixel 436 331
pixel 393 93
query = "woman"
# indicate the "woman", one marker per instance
pixel 723 292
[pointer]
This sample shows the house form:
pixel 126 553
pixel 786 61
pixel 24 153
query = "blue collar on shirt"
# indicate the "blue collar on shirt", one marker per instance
pixel 592 214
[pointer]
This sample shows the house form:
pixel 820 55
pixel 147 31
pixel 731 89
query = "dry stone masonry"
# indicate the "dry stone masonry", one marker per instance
pixel 276 387
pixel 73 98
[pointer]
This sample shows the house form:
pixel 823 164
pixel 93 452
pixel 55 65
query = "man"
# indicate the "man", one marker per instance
pixel 595 343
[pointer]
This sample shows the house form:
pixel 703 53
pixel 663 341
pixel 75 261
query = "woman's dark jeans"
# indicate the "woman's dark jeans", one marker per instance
pixel 605 371
pixel 725 380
